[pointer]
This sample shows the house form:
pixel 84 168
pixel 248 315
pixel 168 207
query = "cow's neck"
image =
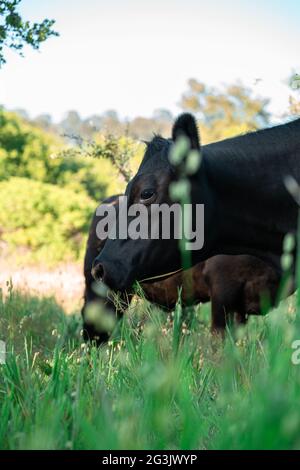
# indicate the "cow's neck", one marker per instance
pixel 252 209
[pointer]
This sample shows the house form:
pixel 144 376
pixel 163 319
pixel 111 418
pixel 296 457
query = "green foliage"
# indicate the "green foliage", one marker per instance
pixel 57 187
pixel 93 167
pixel 108 123
pixel 162 383
pixel 295 81
pixel 26 151
pixel 225 113
pixel 38 322
pixel 44 218
pixel 294 102
pixel 15 32
pixel 121 155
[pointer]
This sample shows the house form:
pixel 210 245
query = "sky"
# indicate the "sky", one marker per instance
pixel 136 56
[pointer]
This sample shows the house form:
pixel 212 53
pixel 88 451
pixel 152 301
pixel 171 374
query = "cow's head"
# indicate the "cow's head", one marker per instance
pixel 123 261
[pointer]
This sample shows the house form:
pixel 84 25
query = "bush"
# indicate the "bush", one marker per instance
pixel 25 150
pixel 47 220
pixel 30 152
pixel 48 190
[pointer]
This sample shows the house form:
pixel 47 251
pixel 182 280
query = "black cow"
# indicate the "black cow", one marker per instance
pixel 248 209
pixel 235 285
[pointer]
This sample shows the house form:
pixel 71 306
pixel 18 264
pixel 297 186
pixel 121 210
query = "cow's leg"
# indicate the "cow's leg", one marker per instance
pixel 220 315
pixel 241 317
pixel 225 300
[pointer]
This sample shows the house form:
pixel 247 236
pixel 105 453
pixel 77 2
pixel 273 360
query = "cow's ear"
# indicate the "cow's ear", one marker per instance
pixel 185 125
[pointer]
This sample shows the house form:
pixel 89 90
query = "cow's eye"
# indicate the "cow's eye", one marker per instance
pixel 147 194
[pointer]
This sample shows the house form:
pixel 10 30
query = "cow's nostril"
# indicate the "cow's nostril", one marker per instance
pixel 97 271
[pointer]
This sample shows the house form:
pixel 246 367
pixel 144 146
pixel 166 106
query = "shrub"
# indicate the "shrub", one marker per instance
pixel 47 220
pixel 25 150
pixel 30 152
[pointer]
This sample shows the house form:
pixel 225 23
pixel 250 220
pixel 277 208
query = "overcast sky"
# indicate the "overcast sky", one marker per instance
pixel 136 56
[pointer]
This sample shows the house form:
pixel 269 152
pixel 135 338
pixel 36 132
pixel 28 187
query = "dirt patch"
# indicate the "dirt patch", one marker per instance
pixel 65 282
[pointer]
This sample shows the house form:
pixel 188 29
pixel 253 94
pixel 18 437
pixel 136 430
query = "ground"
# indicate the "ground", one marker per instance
pixel 163 382
pixel 64 282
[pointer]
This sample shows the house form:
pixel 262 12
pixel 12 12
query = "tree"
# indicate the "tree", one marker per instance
pixel 44 220
pixel 294 102
pixel 44 121
pixel 16 32
pixel 227 112
pixel 28 151
pixel 71 124
pixel 295 81
pixel 162 114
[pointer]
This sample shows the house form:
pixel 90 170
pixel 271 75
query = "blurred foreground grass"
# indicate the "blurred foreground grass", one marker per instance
pixel 162 383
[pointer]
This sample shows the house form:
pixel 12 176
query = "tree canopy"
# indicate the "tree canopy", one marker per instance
pixel 49 189
pixel 227 112
pixel 15 32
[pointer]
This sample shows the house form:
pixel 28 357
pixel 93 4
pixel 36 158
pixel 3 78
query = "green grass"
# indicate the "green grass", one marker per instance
pixel 162 383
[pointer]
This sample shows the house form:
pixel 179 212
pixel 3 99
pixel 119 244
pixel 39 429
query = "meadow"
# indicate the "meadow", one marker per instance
pixel 162 382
